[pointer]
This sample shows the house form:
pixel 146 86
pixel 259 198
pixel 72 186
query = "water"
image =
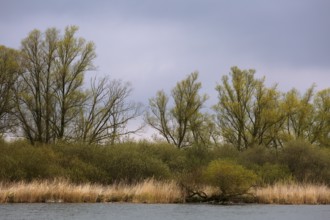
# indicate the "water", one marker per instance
pixel 162 212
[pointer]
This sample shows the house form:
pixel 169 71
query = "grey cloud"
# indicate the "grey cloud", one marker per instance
pixel 154 44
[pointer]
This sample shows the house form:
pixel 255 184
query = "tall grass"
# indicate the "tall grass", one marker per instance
pixel 148 191
pixel 292 193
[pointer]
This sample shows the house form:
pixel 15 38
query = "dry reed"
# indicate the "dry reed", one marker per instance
pixel 148 191
pixel 284 193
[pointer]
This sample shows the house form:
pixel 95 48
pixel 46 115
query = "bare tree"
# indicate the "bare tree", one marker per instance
pixel 104 117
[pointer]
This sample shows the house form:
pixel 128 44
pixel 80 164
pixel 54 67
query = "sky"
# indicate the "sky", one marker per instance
pixel 154 44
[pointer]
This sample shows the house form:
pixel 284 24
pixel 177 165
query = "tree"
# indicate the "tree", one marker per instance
pixel 105 114
pixel 307 116
pixel 176 124
pixel 321 126
pixel 75 57
pixel 49 92
pixel 247 111
pixel 9 71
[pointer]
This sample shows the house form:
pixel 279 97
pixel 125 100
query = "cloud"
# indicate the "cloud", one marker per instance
pixel 154 44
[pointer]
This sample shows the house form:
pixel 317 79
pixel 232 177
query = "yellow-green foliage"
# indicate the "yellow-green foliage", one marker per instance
pixel 231 178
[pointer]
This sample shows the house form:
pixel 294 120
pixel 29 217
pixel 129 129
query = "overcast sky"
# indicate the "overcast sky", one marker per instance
pixel 154 44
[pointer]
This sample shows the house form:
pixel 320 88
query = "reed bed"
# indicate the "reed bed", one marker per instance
pixel 293 193
pixel 148 191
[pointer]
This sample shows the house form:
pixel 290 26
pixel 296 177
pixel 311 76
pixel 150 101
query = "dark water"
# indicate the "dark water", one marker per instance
pixel 162 212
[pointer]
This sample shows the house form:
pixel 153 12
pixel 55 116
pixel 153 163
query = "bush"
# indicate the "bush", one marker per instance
pixel 307 163
pixel 130 165
pixel 226 151
pixel 272 173
pixel 229 177
pixel 257 155
pixel 170 155
pixel 21 161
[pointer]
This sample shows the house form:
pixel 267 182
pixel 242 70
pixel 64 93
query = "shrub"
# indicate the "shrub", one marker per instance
pixel 130 166
pixel 170 155
pixel 21 161
pixel 272 173
pixel 225 151
pixel 307 163
pixel 229 177
pixel 257 155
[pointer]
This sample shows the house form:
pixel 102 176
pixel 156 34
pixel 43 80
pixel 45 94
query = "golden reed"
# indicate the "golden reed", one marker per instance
pixel 148 191
pixel 293 193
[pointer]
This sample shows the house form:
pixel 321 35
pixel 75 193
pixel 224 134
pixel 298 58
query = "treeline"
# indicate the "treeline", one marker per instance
pixel 43 99
pixel 247 114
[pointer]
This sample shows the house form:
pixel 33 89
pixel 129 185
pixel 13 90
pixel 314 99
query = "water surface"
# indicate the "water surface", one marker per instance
pixel 120 211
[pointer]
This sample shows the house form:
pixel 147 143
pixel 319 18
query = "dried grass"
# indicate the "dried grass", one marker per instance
pixel 292 193
pixel 148 191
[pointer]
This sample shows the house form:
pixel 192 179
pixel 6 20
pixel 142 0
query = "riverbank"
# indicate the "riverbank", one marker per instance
pixel 148 191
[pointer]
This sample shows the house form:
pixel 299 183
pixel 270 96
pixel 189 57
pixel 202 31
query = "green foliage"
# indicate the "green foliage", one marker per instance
pixel 131 165
pixel 321 126
pixel 247 111
pixel 182 124
pixel 230 177
pixel 192 167
pixel 225 151
pixel 25 162
pixel 257 155
pixel 307 162
pixel 272 173
pixel 174 158
pixel 196 159
pixel 9 71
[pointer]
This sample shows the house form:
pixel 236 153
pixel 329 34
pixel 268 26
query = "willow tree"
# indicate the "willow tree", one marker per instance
pixel 9 71
pixel 74 57
pixel 175 123
pixel 49 91
pixel 33 90
pixel 322 118
pixel 307 116
pixel 247 111
pixel 299 112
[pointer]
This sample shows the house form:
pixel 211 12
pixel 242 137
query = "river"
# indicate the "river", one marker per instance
pixel 121 211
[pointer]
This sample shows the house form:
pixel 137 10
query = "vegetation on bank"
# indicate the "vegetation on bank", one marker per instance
pixel 190 173
pixel 253 136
